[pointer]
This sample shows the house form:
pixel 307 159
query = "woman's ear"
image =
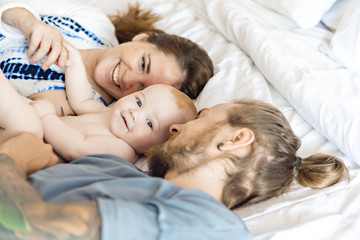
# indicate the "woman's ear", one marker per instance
pixel 141 37
pixel 241 138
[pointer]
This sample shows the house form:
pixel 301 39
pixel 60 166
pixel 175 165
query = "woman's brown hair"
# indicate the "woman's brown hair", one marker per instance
pixel 194 61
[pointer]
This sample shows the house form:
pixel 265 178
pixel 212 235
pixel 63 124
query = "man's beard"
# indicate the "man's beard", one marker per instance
pixel 181 157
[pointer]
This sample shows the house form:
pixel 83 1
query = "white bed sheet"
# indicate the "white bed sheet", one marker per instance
pixel 262 55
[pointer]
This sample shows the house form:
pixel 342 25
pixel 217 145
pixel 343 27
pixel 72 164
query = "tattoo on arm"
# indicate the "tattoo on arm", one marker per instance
pixel 62 113
pixel 24 215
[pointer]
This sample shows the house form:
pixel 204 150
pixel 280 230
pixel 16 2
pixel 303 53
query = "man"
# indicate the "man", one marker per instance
pixel 105 197
pixel 230 156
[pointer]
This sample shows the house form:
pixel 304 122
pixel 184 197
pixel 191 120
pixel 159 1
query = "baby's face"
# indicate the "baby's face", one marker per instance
pixel 142 119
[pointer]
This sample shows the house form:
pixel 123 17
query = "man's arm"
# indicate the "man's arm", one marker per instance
pixel 23 214
pixel 78 89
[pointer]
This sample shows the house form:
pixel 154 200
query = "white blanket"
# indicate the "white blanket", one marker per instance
pixel 321 91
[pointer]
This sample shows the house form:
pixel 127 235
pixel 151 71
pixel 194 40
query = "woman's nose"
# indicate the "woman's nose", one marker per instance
pixel 133 81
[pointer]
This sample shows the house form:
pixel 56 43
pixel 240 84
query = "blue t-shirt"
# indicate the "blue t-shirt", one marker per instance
pixel 135 206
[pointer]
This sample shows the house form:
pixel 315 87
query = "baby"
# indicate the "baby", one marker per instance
pixel 127 129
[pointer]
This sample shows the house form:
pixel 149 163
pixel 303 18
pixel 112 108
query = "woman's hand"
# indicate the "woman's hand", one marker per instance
pixel 43 39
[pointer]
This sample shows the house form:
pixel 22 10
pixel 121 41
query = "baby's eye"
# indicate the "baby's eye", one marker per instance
pixel 149 123
pixel 138 102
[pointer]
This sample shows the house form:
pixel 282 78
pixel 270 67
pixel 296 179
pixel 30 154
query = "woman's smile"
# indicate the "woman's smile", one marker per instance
pixel 115 75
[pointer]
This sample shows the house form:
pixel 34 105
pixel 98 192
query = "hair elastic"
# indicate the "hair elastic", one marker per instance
pixel 297 163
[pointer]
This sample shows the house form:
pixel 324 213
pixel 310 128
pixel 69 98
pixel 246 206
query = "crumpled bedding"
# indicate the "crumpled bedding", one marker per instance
pixel 261 54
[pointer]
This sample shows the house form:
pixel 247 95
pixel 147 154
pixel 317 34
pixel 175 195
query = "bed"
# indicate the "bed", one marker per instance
pixel 302 61
pixel 301 56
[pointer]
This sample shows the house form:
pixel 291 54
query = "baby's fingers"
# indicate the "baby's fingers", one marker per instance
pixel 73 54
pixel 61 61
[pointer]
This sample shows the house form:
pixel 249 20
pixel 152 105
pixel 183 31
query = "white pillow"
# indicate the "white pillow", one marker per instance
pixel 332 17
pixel 344 47
pixel 305 13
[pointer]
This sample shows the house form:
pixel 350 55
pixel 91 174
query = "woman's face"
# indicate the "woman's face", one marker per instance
pixel 132 66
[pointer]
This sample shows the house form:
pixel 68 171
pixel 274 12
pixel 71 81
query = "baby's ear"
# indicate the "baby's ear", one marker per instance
pixel 141 37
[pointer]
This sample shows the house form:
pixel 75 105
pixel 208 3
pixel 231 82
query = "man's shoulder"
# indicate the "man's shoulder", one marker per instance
pixel 92 166
pixel 104 162
pixel 179 213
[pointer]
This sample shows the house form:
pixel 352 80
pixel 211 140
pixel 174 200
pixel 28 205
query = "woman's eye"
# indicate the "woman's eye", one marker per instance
pixel 142 63
pixel 138 102
pixel 149 123
pixel 142 87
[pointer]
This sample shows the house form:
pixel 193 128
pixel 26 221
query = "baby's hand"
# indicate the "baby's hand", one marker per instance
pixel 43 107
pixel 74 56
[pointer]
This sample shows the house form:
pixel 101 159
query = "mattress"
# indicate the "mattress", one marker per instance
pixel 288 54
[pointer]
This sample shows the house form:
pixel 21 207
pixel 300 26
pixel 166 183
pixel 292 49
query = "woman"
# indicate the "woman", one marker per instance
pixel 113 70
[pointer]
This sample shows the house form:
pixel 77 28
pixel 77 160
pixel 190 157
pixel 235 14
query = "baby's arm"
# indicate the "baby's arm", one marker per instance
pixel 71 144
pixel 78 89
pixel 101 145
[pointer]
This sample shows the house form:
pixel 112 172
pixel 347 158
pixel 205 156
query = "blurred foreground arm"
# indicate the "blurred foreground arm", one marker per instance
pixel 23 214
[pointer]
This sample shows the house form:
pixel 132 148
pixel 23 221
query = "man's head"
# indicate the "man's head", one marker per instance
pixel 253 139
pixel 191 144
pixel 142 119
